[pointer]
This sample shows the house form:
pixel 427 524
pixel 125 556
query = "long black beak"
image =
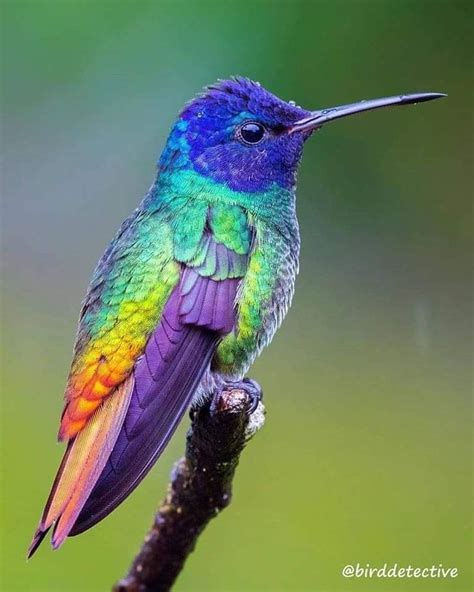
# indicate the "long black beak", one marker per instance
pixel 318 118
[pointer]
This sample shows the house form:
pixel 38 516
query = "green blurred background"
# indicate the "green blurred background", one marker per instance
pixel 365 456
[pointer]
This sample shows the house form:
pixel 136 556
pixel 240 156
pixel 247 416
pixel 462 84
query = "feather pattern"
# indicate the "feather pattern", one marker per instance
pixel 82 465
pixel 165 377
pixel 183 288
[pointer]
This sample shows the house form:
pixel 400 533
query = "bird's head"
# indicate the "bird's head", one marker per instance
pixel 239 134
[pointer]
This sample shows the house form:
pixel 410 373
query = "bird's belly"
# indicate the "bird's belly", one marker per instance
pixel 262 303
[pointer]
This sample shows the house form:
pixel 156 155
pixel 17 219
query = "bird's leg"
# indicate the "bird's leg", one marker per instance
pixel 249 387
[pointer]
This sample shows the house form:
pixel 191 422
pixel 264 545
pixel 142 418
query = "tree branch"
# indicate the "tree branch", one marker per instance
pixel 200 486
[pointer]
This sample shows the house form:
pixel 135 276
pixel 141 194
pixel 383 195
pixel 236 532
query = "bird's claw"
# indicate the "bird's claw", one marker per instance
pixel 255 393
pixel 250 387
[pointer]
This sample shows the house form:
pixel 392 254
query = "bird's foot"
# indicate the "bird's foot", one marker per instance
pixel 251 388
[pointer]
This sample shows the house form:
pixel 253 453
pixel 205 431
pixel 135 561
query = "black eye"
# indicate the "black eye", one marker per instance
pixel 251 132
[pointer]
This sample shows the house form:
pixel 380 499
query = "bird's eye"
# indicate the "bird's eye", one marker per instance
pixel 251 132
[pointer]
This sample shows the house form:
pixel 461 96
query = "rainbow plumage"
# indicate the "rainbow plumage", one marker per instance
pixel 193 286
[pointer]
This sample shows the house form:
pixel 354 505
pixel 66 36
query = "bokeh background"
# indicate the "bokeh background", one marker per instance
pixel 365 456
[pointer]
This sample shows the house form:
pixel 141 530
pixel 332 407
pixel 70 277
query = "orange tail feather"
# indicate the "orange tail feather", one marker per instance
pixel 82 464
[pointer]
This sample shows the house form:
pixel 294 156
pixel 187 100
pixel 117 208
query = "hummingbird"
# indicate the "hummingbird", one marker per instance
pixel 188 293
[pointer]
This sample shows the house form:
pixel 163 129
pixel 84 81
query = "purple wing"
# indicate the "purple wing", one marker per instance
pixel 197 315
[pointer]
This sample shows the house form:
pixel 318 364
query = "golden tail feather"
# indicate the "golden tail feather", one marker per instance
pixel 82 464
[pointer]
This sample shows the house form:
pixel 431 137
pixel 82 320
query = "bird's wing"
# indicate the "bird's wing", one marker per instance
pixel 198 312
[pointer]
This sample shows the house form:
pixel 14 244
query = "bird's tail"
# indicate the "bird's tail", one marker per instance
pixel 82 464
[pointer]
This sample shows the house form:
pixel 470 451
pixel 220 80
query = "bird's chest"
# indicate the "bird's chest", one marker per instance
pixel 263 300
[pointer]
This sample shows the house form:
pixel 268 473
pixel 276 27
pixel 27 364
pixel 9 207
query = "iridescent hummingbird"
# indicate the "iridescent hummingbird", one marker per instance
pixel 193 286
